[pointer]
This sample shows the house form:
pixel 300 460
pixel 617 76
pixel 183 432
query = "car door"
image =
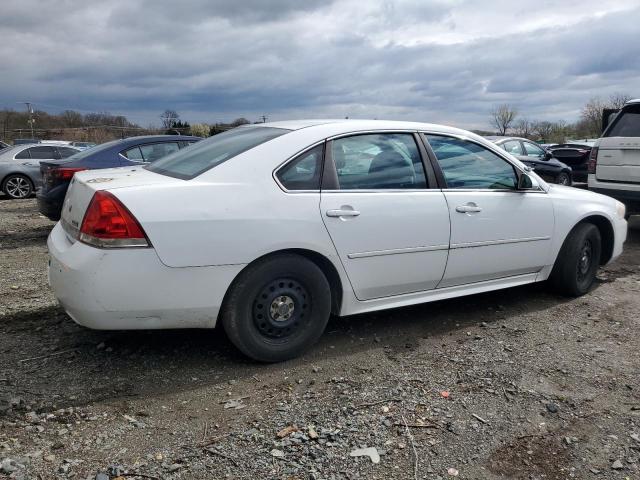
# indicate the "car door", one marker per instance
pixel 496 230
pixel 32 166
pixel 390 230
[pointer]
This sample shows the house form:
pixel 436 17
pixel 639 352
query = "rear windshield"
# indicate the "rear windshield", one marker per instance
pixel 100 148
pixel 626 123
pixel 206 154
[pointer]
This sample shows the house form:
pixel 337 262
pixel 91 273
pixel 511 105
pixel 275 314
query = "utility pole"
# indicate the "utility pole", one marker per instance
pixel 264 118
pixel 31 120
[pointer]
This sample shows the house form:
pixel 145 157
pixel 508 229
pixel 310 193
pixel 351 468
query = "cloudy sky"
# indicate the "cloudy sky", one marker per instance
pixel 442 61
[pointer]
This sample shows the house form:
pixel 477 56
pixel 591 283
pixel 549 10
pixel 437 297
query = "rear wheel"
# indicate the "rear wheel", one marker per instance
pixel 563 179
pixel 277 308
pixel 17 186
pixel 578 261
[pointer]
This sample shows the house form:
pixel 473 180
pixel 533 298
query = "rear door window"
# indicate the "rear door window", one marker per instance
pixel 378 161
pixel 513 147
pixel 155 151
pixel 42 153
pixel 626 123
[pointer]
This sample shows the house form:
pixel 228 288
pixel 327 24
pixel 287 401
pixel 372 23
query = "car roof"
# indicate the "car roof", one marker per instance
pixel 498 138
pixel 633 101
pixel 155 138
pixel 338 126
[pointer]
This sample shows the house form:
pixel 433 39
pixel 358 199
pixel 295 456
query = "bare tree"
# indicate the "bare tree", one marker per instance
pixel 71 118
pixel 523 128
pixel 543 130
pixel 502 117
pixel 617 100
pixel 169 118
pixel 591 116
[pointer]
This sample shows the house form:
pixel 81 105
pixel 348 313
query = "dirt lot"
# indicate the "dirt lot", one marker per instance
pixel 512 384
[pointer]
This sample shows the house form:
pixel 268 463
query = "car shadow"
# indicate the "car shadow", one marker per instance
pixel 47 356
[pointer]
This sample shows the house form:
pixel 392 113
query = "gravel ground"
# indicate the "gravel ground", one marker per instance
pixel 518 383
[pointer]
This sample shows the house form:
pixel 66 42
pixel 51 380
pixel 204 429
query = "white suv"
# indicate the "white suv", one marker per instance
pixel 614 163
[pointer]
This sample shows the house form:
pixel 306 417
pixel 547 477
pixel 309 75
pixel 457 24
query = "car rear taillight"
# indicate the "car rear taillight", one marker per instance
pixel 593 160
pixel 108 223
pixel 64 173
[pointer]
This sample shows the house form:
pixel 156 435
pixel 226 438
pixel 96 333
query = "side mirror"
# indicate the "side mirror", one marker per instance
pixel 525 182
pixel 547 155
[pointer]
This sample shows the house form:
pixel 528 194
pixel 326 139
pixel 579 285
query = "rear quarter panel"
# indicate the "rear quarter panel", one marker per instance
pixel 232 214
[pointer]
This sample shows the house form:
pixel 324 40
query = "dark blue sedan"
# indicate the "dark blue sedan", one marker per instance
pixel 57 174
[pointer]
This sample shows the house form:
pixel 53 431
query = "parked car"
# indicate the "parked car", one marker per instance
pixel 4 145
pixel 614 162
pixel 83 145
pixel 575 155
pixel 20 166
pixel 270 228
pixel 118 153
pixel 536 157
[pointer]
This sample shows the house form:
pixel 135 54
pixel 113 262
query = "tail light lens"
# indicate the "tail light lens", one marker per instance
pixel 593 160
pixel 108 223
pixel 62 173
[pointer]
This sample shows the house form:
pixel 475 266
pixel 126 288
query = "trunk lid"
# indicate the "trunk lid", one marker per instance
pixel 85 184
pixel 619 159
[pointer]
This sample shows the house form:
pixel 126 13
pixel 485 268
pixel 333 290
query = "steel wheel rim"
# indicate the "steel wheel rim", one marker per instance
pixel 281 309
pixel 18 187
pixel 585 260
pixel 564 180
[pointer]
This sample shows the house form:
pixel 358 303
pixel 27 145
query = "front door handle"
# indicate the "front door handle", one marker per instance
pixel 468 208
pixel 342 213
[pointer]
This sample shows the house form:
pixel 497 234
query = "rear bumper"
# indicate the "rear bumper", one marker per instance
pixel 50 202
pixel 48 208
pixel 131 289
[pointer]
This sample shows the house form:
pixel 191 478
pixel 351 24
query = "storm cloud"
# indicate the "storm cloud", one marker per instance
pixel 437 61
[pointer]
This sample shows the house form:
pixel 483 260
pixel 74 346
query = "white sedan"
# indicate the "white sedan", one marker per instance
pixel 272 228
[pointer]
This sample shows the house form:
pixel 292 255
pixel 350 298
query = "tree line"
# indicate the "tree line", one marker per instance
pixel 97 127
pixel 506 120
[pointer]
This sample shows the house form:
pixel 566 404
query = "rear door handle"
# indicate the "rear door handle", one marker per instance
pixel 342 213
pixel 468 208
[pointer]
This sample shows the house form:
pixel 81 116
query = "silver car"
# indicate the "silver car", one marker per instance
pixel 20 166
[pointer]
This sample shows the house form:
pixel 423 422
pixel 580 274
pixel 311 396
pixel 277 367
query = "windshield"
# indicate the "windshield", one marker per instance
pixel 626 123
pixel 206 154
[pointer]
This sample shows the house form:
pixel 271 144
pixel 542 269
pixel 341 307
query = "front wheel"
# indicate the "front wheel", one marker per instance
pixel 575 269
pixel 563 179
pixel 17 186
pixel 277 308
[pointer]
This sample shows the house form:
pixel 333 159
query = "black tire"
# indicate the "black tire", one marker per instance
pixel 277 308
pixel 17 186
pixel 563 179
pixel 578 261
